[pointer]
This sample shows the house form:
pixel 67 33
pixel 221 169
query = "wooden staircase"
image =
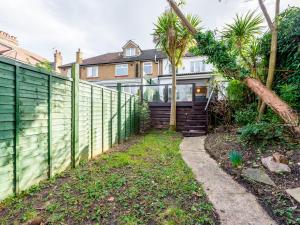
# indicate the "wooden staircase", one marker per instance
pixel 196 121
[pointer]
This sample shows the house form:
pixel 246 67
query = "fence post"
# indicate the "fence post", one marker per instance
pixel 92 124
pixel 17 133
pixel 125 117
pixel 119 112
pixel 194 92
pixel 166 93
pixel 130 119
pixel 142 92
pixel 75 113
pixel 102 127
pixel 49 128
pixel 111 120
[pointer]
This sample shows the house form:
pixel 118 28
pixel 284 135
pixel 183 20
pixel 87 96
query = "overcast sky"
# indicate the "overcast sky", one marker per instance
pixel 101 26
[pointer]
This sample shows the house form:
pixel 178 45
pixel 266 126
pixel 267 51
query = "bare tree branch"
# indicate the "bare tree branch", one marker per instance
pixel 266 14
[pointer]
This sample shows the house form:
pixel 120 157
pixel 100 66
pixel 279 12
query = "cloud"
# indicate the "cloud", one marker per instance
pixel 103 26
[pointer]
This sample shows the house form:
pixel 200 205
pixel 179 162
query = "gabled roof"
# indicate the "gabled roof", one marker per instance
pixel 117 57
pixel 20 54
pixel 130 42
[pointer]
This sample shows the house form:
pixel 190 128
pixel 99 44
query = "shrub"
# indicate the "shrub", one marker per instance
pixel 291 94
pixel 246 116
pixel 144 116
pixel 235 158
pixel 236 91
pixel 261 133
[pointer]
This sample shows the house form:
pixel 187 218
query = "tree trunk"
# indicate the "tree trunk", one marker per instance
pixel 275 103
pixel 173 100
pixel 273 55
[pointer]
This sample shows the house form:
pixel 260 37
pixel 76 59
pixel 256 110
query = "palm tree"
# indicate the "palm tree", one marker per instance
pixel 175 40
pixel 242 32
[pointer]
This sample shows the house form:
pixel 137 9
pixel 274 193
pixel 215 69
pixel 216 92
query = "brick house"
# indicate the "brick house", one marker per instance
pixel 129 65
pixel 133 66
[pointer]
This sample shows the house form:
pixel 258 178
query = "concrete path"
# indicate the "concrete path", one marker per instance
pixel 233 203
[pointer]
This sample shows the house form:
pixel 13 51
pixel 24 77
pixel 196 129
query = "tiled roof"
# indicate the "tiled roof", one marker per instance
pixel 117 57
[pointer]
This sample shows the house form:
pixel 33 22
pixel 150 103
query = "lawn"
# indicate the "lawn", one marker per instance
pixel 145 183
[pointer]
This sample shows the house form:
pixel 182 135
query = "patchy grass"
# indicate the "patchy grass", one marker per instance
pixel 147 184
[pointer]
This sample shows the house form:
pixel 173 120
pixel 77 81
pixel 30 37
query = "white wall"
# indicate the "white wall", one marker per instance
pixel 186 65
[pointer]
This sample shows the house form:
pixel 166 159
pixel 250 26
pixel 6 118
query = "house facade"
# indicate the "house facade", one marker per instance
pixel 135 66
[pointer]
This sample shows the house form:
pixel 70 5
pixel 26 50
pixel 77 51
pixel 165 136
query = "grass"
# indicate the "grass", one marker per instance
pixel 146 184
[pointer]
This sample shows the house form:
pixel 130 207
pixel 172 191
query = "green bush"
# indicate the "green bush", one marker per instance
pixel 236 91
pixel 291 94
pixel 246 116
pixel 261 133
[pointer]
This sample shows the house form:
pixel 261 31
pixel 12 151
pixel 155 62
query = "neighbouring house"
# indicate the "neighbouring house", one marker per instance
pixel 9 48
pixel 135 66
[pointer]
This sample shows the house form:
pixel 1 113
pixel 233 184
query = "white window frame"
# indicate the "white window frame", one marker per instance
pixel 121 67
pixel 130 52
pixel 92 71
pixel 148 64
pixel 194 68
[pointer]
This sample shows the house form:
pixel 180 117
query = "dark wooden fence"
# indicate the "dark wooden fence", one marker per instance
pixel 49 123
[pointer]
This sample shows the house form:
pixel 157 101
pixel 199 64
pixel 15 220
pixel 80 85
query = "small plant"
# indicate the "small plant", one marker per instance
pixel 246 116
pixel 261 133
pixel 235 158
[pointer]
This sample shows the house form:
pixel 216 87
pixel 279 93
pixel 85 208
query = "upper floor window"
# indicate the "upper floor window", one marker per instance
pixel 197 66
pixel 147 68
pixel 92 71
pixel 122 70
pixel 130 51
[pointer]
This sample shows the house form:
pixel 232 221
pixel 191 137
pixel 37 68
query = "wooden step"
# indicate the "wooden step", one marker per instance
pixel 193 133
pixel 196 117
pixel 196 122
pixel 195 127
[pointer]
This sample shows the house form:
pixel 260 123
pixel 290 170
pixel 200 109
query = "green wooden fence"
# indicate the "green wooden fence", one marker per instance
pixel 49 123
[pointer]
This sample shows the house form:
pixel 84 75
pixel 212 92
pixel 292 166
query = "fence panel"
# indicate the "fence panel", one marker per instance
pixel 85 100
pixel 7 128
pixel 48 123
pixel 123 117
pixel 33 132
pixel 114 120
pixel 106 119
pixel 97 120
pixel 61 124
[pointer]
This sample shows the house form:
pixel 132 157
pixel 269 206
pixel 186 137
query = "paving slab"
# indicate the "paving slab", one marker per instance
pixel 295 193
pixel 258 175
pixel 232 202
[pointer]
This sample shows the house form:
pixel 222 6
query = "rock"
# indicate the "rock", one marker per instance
pixel 111 199
pixel 279 158
pixel 274 166
pixel 295 193
pixel 258 175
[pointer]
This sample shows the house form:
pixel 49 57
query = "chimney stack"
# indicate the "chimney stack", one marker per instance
pixel 8 39
pixel 79 56
pixel 57 61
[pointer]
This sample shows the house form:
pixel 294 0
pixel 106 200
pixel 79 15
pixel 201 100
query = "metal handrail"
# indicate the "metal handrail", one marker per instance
pixel 209 99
